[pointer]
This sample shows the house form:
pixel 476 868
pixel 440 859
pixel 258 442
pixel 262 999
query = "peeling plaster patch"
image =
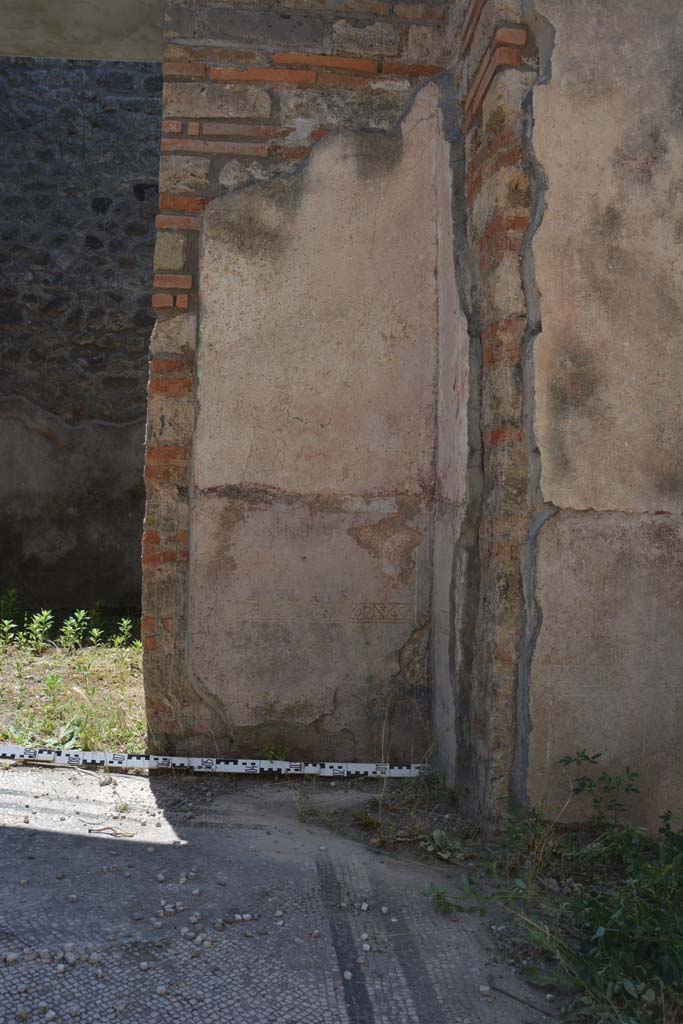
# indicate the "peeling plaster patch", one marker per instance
pixel 392 542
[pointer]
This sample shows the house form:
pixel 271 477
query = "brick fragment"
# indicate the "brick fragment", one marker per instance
pixel 171 387
pixel 183 69
pixel 182 301
pixel 162 301
pixel 321 60
pixel 250 131
pixel 193 128
pixel 279 75
pixel 172 127
pixel 188 204
pixel 163 366
pixel 173 281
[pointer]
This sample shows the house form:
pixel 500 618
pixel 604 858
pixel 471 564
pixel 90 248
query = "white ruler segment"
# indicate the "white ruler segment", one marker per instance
pixel 233 765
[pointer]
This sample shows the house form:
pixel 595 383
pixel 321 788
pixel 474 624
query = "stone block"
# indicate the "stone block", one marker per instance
pixel 211 99
pixel 170 251
pixel 184 173
pixel 378 38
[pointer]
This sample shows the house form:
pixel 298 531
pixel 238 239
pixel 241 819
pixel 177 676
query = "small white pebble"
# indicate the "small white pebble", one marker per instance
pixel 144 966
pixel 315 934
pixel 347 975
pixel 196 892
pixel 161 990
pixel 246 917
pixel 364 906
pixel 161 877
pixel 366 947
pixel 11 958
pixel 385 910
pixel 60 968
pixel 279 913
pixel 157 924
pixel 23 881
pixel 72 897
pixel 364 937
pixel 484 990
pixel 98 973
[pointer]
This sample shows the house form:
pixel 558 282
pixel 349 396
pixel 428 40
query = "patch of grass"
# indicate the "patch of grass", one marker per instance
pixel 76 684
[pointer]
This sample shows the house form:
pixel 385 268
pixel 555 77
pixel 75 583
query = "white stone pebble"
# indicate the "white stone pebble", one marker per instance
pixel 196 892
pixel 161 877
pixel 144 966
pixel 385 910
pixel 347 975
pixel 279 913
pixel 315 934
pixel 484 990
pixel 364 906
pixel 161 990
pixel 366 947
pixel 72 897
pixel 11 958
pixel 60 968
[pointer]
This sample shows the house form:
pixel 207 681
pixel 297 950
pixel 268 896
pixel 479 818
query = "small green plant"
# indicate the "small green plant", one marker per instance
pixel 603 903
pixel 36 635
pixel 8 633
pixel 606 791
pixel 53 682
pixel 96 636
pixel 124 635
pixel 443 844
pixel 72 633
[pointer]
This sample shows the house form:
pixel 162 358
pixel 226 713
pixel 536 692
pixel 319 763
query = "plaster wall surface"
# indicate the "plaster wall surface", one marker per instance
pixel 311 517
pixel 89 29
pixel 608 132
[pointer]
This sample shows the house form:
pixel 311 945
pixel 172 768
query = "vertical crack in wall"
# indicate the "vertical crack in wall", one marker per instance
pixel 542 511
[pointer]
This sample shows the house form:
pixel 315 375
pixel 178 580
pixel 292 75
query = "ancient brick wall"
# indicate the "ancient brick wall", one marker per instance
pixel 301 633
pixel 79 167
pixel 532 555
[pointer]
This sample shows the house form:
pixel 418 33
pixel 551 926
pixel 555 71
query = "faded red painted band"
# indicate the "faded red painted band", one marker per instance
pixel 187 204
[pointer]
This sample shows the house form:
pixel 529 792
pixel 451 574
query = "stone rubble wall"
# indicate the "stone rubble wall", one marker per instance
pixel 79 171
